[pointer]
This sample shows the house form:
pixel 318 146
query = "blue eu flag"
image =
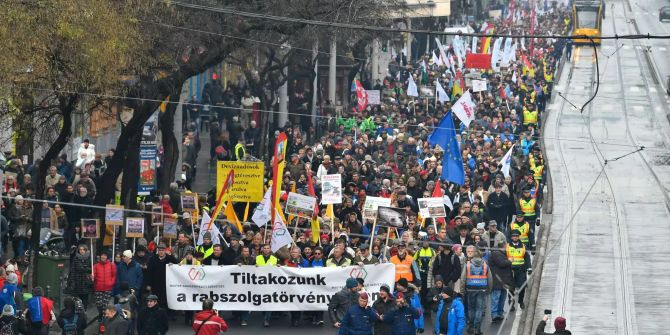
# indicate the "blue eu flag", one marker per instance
pixel 452 162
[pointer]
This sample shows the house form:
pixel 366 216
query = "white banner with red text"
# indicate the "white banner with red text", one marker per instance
pixel 267 288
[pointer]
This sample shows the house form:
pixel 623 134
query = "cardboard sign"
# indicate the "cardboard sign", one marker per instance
pixel 371 204
pixel 300 205
pixel 374 97
pixel 432 208
pixel 248 185
pixel 478 85
pixel 169 227
pixel 331 189
pixel 135 227
pixel 90 228
pixel 114 215
pixel 391 217
pixel 189 202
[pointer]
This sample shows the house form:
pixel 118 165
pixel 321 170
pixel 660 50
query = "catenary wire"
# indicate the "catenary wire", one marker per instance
pixel 536 137
pixel 398 30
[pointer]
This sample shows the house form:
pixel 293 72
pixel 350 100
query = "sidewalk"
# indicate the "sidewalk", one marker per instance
pixel 205 177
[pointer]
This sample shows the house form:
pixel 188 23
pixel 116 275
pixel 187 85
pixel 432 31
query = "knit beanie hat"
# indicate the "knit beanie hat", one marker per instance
pixel 559 323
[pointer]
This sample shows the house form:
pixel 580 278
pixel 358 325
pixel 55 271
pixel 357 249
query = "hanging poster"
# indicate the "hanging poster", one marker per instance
pixel 371 204
pixel 90 228
pixel 114 215
pixel 147 182
pixel 135 227
pixel 300 205
pixel 331 189
pixel 432 208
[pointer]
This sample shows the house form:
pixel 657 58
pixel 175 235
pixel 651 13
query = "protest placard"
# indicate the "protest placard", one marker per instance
pixel 114 215
pixel 432 208
pixel 300 205
pixel 331 189
pixel 134 227
pixel 371 204
pixel 248 184
pixel 391 217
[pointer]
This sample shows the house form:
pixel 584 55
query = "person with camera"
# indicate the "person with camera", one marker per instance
pixel 360 318
pixel 207 321
pixel 450 316
pixel 559 325
pixel 402 317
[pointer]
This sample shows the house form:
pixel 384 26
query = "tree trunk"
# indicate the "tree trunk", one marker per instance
pixel 170 145
pixel 66 104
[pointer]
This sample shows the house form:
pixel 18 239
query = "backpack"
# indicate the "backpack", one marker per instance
pixel 7 297
pixel 70 326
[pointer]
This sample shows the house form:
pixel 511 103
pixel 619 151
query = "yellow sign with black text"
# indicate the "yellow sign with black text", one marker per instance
pixel 248 185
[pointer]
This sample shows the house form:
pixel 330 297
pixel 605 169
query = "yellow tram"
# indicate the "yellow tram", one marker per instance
pixel 587 18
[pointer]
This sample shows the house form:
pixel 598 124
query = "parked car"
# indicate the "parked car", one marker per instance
pixel 664 13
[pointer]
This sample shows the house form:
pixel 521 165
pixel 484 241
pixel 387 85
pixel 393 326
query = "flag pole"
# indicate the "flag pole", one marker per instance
pixel 372 234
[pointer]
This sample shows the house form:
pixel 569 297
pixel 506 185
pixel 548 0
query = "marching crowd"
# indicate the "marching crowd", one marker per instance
pixel 445 268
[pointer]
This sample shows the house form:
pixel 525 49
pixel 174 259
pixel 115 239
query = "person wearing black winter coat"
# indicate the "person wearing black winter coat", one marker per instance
pixel 497 205
pixel 152 320
pixel 501 269
pixel 448 266
pixel 384 304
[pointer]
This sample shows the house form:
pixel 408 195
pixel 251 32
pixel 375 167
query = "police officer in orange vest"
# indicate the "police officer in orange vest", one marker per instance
pixel 516 253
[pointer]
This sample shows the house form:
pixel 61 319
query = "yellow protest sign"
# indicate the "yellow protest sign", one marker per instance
pixel 248 185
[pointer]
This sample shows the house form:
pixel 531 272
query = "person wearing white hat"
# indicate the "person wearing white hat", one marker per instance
pixel 9 321
pixel 129 271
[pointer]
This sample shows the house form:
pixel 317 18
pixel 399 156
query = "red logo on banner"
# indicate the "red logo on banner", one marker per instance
pixel 478 61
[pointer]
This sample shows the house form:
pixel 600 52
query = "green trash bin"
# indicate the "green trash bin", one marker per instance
pixel 51 276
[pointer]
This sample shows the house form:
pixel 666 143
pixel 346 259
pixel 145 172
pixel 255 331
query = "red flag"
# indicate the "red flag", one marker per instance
pixel 361 96
pixel 437 193
pixel 502 93
pixel 310 189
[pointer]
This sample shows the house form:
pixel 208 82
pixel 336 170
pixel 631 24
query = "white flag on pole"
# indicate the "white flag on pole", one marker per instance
pixel 262 212
pixel 507 162
pixel 213 230
pixel 412 90
pixel 436 60
pixel 514 77
pixel 464 108
pixel 280 235
pixel 441 94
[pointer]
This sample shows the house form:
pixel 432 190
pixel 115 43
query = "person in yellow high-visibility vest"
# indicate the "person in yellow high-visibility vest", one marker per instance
pixel 530 117
pixel 516 253
pixel 240 152
pixel 266 258
pixel 523 227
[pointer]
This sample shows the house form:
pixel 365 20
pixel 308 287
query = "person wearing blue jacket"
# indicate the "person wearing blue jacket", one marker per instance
pixel 411 296
pixel 403 317
pixel 359 319
pixel 130 272
pixel 450 317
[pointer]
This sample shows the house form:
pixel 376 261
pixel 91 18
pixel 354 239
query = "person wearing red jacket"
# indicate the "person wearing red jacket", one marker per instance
pixel 207 322
pixel 104 278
